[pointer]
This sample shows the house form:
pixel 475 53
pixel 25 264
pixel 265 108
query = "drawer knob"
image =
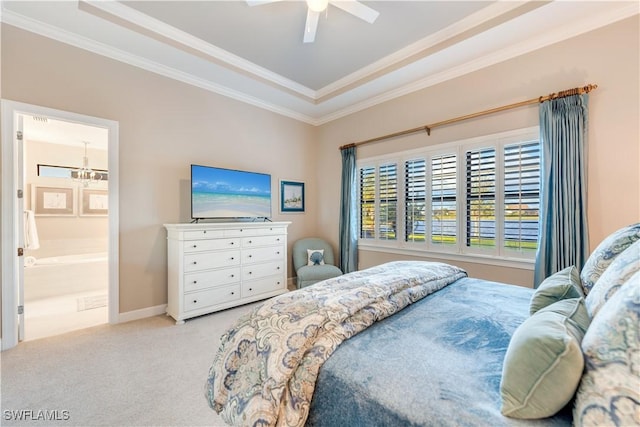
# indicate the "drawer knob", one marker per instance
pixel 195 246
pixel 195 262
pixel 250 255
pixel 232 243
pixel 250 289
pixel 195 301
pixel 232 258
pixel 195 281
pixel 250 241
pixel 232 293
pixel 278 268
pixel 278 253
pixel 233 275
pixel 204 231
pixel 249 272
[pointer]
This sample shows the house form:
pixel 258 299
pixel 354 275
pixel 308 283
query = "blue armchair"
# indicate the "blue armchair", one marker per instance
pixel 318 253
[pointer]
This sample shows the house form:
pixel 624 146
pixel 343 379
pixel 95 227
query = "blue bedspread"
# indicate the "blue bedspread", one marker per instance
pixel 438 363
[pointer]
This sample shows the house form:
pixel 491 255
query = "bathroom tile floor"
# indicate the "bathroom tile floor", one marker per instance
pixel 57 315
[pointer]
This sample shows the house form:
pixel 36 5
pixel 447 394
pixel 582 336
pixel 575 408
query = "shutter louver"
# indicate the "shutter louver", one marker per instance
pixel 521 195
pixel 443 199
pixel 388 196
pixel 415 198
pixel 481 198
pixel 367 202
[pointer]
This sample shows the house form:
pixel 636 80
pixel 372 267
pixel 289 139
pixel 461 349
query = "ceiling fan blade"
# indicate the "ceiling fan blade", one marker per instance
pixel 357 9
pixel 259 2
pixel 311 26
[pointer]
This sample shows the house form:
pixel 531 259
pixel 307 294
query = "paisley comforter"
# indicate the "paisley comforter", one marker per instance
pixel 265 370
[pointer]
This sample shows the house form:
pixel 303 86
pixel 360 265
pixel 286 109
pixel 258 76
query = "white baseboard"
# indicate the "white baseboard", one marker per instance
pixel 143 313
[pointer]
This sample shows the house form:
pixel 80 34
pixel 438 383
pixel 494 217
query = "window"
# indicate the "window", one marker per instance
pixel 476 197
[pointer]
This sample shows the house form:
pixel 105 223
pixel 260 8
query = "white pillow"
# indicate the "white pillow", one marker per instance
pixel 315 256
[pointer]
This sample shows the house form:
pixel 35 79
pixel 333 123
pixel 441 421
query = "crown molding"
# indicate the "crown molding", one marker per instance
pixel 569 30
pixel 63 36
pixel 163 30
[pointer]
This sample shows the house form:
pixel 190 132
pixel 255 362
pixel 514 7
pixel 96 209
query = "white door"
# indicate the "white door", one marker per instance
pixel 20 224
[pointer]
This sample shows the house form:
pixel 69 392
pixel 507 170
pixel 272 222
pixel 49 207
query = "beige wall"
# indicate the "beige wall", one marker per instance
pixel 608 57
pixel 62 235
pixel 165 126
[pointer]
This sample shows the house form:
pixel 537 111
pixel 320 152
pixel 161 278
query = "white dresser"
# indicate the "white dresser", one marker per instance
pixel 213 266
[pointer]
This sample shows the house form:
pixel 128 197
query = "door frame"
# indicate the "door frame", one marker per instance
pixel 11 220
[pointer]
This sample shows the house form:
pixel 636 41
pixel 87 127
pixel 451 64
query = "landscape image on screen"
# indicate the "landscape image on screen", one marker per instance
pixel 227 193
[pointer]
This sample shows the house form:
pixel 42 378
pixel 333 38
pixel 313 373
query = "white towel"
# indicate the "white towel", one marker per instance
pixel 31 240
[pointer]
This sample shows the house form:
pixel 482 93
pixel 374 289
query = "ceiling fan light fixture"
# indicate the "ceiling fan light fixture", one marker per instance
pixel 317 5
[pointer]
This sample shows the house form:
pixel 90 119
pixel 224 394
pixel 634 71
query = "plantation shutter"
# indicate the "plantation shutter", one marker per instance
pixel 388 196
pixel 415 199
pixel 443 199
pixel 521 195
pixel 481 197
pixel 367 202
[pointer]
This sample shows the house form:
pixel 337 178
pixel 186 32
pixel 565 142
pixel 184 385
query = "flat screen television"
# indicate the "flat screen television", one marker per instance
pixel 226 193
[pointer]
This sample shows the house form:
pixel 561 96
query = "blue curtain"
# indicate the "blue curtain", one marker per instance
pixel 348 212
pixel 563 238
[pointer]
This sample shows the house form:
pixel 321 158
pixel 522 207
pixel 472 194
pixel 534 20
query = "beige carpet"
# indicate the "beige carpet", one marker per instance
pixel 144 373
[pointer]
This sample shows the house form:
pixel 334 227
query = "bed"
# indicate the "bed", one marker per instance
pixel 418 343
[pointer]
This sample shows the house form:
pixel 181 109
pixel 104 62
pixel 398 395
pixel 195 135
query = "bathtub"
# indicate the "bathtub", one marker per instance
pixel 64 275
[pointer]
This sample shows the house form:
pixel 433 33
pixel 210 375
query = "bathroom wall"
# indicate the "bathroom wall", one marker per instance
pixel 72 234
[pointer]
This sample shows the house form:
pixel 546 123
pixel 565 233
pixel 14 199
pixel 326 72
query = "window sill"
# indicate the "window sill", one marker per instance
pixel 511 262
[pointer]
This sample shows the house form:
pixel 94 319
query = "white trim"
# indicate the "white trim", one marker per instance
pixel 572 29
pixel 143 313
pixel 10 110
pixel 523 264
pixel 102 49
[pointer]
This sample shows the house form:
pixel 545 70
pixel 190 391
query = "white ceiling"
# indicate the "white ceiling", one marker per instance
pixel 255 54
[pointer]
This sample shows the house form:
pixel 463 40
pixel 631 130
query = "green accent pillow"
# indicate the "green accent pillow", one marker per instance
pixel 543 364
pixel 564 284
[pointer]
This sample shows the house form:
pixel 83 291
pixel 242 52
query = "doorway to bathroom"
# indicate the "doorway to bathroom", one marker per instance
pixel 66 226
pixel 59 222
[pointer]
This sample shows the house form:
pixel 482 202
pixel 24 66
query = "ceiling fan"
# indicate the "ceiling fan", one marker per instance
pixel 315 7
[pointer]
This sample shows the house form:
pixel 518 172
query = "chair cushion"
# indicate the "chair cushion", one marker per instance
pixel 318 272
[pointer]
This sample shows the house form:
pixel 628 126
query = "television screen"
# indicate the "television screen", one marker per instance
pixel 227 193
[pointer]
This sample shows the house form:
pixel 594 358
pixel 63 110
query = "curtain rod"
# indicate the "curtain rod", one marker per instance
pixel 427 128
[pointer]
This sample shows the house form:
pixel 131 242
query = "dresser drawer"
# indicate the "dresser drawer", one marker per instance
pixel 202 234
pixel 254 231
pixel 260 286
pixel 202 299
pixel 257 271
pixel 210 245
pixel 207 260
pixel 249 242
pixel 207 279
pixel 269 253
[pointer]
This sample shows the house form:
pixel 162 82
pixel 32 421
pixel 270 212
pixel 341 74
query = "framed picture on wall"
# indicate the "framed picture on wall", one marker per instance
pixel 291 196
pixel 53 201
pixel 94 202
